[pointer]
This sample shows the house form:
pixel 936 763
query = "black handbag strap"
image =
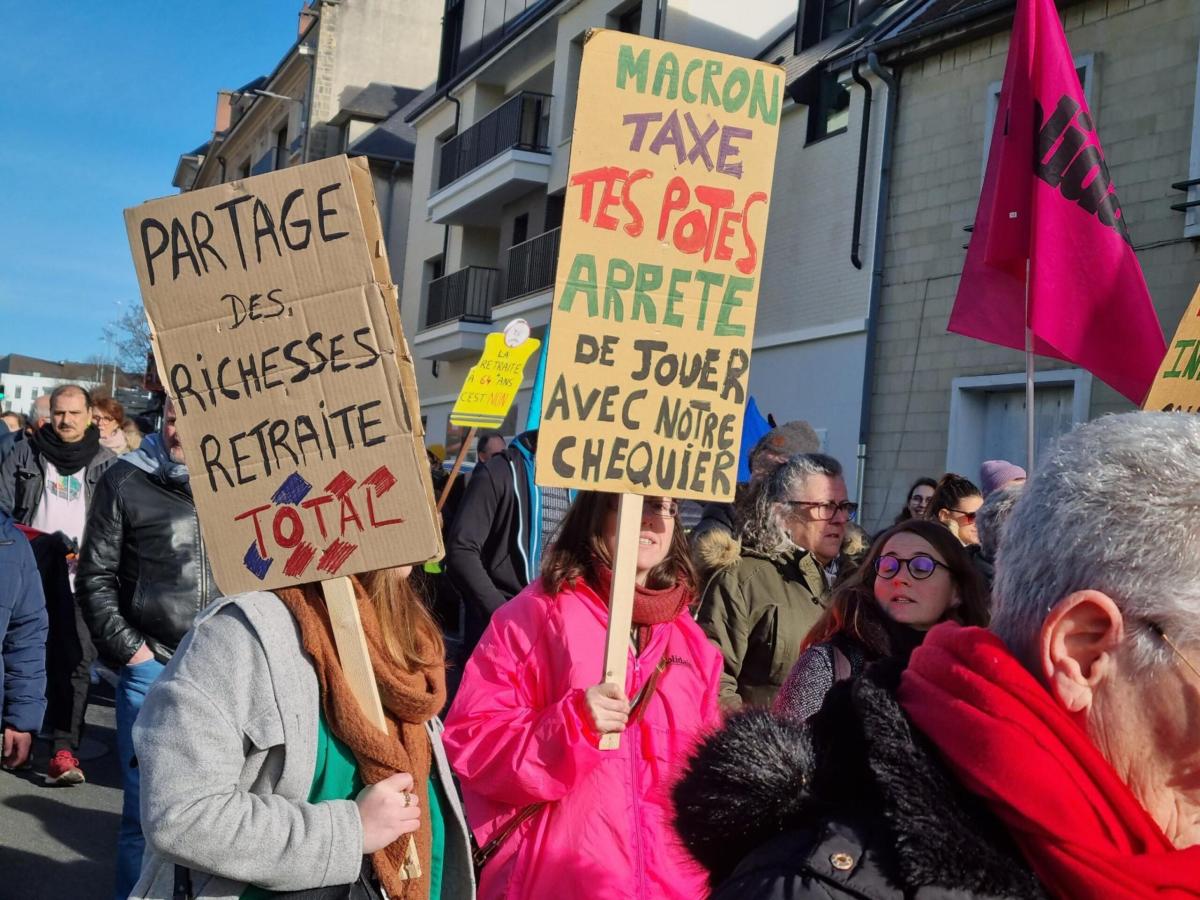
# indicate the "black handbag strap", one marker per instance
pixel 182 889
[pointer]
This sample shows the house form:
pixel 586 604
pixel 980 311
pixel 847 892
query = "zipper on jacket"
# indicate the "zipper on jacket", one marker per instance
pixel 633 773
pixel 200 598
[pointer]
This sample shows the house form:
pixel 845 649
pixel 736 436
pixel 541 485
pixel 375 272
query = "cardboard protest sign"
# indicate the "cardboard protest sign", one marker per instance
pixel 276 331
pixel 1176 387
pixel 658 275
pixel 493 382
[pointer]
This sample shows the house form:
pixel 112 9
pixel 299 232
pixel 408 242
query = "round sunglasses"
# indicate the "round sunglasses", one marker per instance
pixel 920 566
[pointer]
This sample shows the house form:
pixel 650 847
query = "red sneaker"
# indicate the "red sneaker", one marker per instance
pixel 64 769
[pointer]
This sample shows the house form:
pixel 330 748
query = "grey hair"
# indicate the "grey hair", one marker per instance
pixel 1113 508
pixel 763 529
pixel 992 516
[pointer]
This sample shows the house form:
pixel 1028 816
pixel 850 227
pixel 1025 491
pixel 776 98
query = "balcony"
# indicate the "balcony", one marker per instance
pixel 531 265
pixel 458 314
pixel 499 158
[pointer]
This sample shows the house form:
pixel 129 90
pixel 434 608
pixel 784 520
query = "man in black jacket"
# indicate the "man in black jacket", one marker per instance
pixel 47 483
pixel 495 543
pixel 143 577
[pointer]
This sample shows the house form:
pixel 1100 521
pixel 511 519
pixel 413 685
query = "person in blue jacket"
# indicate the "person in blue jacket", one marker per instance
pixel 23 627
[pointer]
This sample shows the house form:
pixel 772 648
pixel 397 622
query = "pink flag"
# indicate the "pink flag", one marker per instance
pixel 1048 198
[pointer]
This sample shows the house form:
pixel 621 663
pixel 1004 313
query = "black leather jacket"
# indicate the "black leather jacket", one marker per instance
pixel 143 573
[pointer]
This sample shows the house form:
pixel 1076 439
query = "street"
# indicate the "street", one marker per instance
pixel 60 843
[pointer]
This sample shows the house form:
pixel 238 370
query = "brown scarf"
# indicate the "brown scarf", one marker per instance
pixel 650 606
pixel 409 701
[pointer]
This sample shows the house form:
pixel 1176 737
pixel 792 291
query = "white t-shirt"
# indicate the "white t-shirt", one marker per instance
pixel 63 507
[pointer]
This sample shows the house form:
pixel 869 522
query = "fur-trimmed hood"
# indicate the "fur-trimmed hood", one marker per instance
pixel 860 767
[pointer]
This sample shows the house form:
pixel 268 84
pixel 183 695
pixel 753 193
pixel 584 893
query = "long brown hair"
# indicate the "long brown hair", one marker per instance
pixel 580 542
pixel 855 612
pixel 410 634
pixel 947 494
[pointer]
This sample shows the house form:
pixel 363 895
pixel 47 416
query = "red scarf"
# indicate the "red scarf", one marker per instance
pixel 1008 741
pixel 650 606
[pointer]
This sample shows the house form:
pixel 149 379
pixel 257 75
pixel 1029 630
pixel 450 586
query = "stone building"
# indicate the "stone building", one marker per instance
pixel 943 402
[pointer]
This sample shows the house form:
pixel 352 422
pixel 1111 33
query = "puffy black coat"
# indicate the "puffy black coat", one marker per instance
pixel 143 573
pixel 855 804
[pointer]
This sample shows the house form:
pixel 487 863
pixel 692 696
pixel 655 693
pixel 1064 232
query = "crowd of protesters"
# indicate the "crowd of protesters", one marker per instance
pixel 993 697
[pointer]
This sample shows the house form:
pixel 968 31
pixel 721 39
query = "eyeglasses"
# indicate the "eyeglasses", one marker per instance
pixel 1157 629
pixel 664 509
pixel 920 566
pixel 825 510
pixel 968 516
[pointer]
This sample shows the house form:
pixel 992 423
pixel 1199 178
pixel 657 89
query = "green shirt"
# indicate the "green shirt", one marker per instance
pixel 335 777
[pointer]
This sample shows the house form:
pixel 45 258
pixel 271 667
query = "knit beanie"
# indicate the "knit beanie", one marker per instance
pixel 995 473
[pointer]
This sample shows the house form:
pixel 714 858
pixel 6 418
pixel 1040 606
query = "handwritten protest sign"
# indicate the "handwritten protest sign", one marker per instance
pixel 1177 385
pixel 493 382
pixel 658 277
pixel 277 333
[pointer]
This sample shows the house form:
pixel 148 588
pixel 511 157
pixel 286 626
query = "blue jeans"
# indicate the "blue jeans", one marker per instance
pixel 132 688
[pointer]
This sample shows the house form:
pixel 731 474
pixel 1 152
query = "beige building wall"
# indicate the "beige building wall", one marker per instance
pixel 1143 89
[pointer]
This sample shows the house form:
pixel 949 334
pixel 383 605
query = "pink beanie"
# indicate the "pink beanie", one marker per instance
pixel 995 473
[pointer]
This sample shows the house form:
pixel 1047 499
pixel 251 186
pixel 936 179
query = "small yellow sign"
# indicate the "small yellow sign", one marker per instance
pixel 493 382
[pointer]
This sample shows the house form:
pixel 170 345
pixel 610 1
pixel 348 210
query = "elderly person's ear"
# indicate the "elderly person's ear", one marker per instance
pixel 1080 638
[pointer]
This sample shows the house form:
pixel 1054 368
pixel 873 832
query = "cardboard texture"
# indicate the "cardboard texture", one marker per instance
pixel 493 382
pixel 1176 388
pixel 658 276
pixel 276 331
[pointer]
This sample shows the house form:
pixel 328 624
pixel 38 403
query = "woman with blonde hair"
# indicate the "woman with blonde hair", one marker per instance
pixel 263 777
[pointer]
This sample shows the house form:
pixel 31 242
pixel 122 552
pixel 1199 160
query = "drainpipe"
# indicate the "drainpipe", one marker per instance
pixel 660 18
pixel 881 208
pixel 863 140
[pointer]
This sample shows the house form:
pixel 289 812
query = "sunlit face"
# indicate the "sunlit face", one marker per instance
pixel 919 603
pixel 918 500
pixel 659 515
pixel 822 538
pixel 174 447
pixel 963 517
pixel 70 416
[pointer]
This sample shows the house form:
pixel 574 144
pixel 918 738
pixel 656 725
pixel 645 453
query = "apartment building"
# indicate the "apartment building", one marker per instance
pixel 942 402
pixel 351 66
pixel 490 171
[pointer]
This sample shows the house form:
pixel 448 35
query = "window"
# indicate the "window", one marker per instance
pixel 17 392
pixel 1191 222
pixel 520 232
pixel 281 141
pixel 1084 67
pixel 554 211
pixel 630 21
pixel 830 114
pixel 822 19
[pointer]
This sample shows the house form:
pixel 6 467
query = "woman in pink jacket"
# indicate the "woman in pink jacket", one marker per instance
pixel 558 816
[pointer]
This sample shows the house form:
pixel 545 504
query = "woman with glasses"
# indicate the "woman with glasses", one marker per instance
pixel 759 609
pixel 553 814
pixel 915 576
pixel 954 503
pixel 918 500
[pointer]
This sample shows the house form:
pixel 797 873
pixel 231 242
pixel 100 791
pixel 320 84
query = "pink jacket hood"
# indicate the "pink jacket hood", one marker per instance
pixel 518 733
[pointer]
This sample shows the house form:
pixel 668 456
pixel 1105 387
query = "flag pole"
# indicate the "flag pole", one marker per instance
pixel 1029 437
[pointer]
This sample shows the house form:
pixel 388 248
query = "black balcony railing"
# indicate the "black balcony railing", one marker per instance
pixel 531 265
pixel 520 123
pixel 467 294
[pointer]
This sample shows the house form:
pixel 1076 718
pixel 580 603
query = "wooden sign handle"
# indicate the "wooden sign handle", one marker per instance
pixel 620 600
pixel 355 658
pixel 458 461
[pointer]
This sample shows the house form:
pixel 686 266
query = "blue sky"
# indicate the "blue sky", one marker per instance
pixel 100 101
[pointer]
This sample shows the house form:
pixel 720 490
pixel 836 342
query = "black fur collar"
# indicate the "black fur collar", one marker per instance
pixel 858 760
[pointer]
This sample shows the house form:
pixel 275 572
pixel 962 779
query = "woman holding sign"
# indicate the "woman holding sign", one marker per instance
pixel 554 815
pixel 261 774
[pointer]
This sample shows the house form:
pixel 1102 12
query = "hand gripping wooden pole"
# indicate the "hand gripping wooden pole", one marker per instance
pixel 620 600
pixel 458 461
pixel 355 658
